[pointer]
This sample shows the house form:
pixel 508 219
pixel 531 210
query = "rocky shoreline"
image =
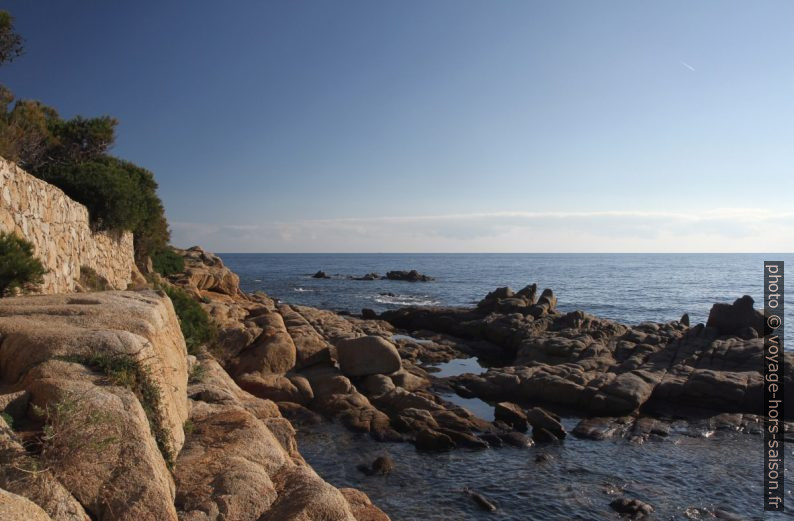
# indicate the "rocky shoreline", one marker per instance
pixel 375 374
pixel 219 442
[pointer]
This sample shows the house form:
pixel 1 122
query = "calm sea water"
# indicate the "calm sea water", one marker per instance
pixel 630 288
pixel 684 476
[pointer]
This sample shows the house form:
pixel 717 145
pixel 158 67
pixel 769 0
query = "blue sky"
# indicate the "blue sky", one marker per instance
pixel 438 125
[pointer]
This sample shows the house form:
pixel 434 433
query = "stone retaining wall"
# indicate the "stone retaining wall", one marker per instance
pixel 59 229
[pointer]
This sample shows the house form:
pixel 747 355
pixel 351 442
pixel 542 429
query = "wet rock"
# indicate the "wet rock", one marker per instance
pixel 368 314
pixel 320 275
pixel 432 441
pixel 298 414
pixel 465 439
pixel 408 276
pixel 515 439
pixel 368 276
pixel 684 320
pixel 367 355
pixel 600 428
pixel 480 500
pixel 632 507
pixel 382 466
pixel 543 420
pixel 543 457
pixel 541 435
pixel 727 516
pixel 512 415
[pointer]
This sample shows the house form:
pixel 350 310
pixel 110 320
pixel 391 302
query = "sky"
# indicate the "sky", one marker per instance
pixel 438 125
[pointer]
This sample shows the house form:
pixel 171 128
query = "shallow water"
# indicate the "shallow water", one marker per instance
pixel 682 477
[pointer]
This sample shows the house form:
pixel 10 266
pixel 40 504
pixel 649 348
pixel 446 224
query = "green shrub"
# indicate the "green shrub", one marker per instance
pixel 105 186
pixel 18 266
pixel 197 328
pixel 168 262
pixel 197 374
pixel 72 155
pixel 92 280
pixel 8 419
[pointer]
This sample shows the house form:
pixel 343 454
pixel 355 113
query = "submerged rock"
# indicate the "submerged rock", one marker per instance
pixel 320 275
pixel 633 507
pixel 480 500
pixel 382 466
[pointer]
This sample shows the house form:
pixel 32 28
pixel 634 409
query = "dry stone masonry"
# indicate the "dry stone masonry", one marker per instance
pixel 59 229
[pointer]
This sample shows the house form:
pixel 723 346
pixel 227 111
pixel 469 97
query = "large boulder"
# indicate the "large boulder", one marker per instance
pixel 367 355
pixel 13 507
pixel 272 352
pixel 731 319
pixel 543 420
pixel 311 348
pixel 303 495
pixel 205 271
pixel 512 415
pixel 140 326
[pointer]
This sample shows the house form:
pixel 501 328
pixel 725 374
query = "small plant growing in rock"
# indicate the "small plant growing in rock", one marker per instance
pixel 19 267
pixel 8 419
pixel 91 280
pixel 197 328
pixel 197 374
pixel 74 433
pixel 125 371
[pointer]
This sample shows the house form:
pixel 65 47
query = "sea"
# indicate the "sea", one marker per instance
pixel 694 473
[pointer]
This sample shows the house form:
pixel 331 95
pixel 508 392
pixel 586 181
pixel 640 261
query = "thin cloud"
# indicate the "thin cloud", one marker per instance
pixel 720 229
pixel 685 64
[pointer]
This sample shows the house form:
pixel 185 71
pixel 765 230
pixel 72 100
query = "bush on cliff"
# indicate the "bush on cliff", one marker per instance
pixel 167 262
pixel 72 155
pixel 197 328
pixel 18 265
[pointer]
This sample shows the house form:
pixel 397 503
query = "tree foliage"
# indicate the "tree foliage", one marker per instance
pixel 73 155
pixel 10 41
pixel 19 266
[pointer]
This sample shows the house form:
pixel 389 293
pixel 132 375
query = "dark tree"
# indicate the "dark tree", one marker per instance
pixel 10 42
